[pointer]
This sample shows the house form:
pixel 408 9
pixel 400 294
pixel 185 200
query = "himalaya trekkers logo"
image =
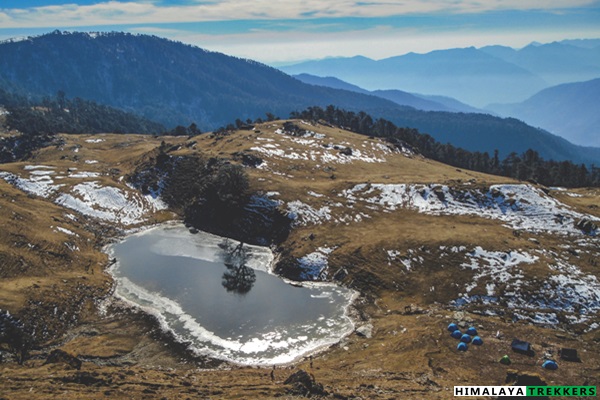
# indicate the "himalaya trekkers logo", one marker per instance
pixel 525 391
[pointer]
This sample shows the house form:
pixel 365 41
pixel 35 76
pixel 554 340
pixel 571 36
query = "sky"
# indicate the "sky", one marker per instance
pixel 279 32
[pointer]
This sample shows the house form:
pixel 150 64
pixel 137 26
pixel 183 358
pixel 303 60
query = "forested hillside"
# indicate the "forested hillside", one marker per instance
pixel 35 123
pixel 526 166
pixel 169 82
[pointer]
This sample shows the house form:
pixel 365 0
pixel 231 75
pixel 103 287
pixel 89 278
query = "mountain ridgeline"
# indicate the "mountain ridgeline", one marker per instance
pixel 526 166
pixel 177 84
pixel 492 74
pixel 570 110
pixel 418 101
pixel 169 82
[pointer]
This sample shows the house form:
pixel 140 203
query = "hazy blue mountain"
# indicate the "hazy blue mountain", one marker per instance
pixel 483 132
pixel 331 82
pixel 585 43
pixel 571 110
pixel 556 63
pixel 416 100
pixel 469 75
pixel 173 83
pixel 409 99
pixel 397 96
pixel 452 104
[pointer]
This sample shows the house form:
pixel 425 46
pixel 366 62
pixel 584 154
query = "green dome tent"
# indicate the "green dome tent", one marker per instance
pixel 505 360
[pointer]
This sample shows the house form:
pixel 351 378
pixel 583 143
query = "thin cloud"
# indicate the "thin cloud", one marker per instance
pixel 378 42
pixel 150 12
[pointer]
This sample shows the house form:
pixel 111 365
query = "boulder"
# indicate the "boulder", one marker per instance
pixel 304 384
pixel 587 226
pixel 365 331
pixel 518 378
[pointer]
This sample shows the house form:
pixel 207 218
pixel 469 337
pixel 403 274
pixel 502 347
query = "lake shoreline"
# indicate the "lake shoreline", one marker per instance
pixel 198 355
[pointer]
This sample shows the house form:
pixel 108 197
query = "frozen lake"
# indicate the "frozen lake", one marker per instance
pixel 220 298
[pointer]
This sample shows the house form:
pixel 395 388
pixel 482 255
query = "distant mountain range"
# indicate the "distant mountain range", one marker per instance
pixel 555 63
pixel 493 74
pixel 418 101
pixel 176 84
pixel 571 110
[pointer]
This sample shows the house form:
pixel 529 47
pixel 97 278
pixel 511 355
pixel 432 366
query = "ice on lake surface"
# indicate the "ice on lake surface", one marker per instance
pixel 221 298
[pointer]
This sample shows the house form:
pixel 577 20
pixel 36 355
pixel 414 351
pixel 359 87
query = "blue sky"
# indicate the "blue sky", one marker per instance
pixel 279 31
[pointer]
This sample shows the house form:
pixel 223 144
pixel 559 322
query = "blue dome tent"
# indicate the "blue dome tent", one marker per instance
pixel 452 327
pixel 472 331
pixel 465 338
pixel 477 341
pixel 456 334
pixel 462 346
pixel 550 364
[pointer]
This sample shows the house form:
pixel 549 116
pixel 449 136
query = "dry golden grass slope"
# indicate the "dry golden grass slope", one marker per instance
pixel 408 238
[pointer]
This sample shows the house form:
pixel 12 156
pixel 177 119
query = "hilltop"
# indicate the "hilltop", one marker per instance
pixel 425 244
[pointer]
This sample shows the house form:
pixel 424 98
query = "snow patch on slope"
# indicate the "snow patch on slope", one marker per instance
pixel 566 294
pixel 315 265
pixel 90 198
pixel 312 146
pixel 519 206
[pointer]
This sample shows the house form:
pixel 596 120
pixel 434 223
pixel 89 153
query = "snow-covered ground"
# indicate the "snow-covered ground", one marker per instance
pixel 91 198
pixel 303 214
pixel 315 265
pixel 519 206
pixel 318 148
pixel 566 289
pixel 502 282
pixel 40 185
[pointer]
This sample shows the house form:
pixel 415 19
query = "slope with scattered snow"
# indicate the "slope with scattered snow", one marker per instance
pixel 91 198
pixel 519 206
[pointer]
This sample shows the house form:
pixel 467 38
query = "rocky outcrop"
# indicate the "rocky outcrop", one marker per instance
pixel 587 226
pixel 365 331
pixel 303 384
pixel 62 357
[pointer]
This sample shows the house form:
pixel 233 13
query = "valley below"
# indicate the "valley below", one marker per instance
pixel 422 245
